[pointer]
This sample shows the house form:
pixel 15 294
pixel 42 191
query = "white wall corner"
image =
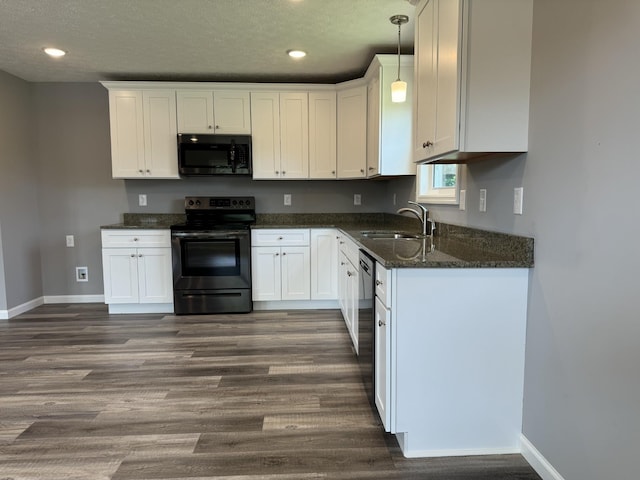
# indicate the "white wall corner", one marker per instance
pixel 537 461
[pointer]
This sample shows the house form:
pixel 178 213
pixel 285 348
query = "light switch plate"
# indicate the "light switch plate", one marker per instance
pixel 463 200
pixel 142 200
pixel 483 200
pixel 287 199
pixel 357 199
pixel 517 200
pixel 70 241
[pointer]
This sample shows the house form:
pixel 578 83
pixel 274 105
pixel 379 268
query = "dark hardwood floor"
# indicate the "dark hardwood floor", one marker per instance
pixel 269 395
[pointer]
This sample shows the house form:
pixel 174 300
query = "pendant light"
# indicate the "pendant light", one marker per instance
pixel 399 88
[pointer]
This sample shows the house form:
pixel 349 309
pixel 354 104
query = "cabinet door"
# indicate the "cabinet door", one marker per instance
pixel 296 273
pixel 382 365
pixel 265 273
pixel 343 285
pixel 120 275
pixel 322 135
pixel 324 265
pixel 265 134
pixel 231 111
pixel 373 126
pixel 352 132
pixel 294 135
pixel 195 111
pixel 160 152
pixel 353 302
pixel 449 19
pixel 425 58
pixel 127 133
pixel 155 279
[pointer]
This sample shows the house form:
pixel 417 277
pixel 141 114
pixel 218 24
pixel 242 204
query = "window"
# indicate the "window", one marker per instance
pixel 437 184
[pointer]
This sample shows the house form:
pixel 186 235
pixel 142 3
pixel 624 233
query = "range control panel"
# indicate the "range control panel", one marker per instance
pixel 219 203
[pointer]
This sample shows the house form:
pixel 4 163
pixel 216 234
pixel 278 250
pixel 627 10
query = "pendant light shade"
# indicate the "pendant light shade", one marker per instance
pixel 398 91
pixel 399 88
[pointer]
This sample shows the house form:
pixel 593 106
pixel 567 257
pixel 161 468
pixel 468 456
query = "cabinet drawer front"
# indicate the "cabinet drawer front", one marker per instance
pixel 349 248
pixel 135 238
pixel 383 285
pixel 274 238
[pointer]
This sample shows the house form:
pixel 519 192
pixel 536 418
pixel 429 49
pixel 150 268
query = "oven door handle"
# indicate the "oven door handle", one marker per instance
pixel 224 235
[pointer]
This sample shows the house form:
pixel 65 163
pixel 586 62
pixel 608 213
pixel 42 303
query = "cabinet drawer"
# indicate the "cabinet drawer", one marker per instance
pixel 294 237
pixel 135 238
pixel 349 248
pixel 383 285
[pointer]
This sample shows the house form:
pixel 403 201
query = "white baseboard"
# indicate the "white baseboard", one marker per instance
pixel 296 305
pixel 537 461
pixel 74 299
pixel 460 452
pixel 36 302
pixel 123 308
pixel 25 307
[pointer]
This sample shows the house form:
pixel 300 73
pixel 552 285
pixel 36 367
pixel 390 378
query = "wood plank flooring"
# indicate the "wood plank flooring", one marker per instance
pixel 268 395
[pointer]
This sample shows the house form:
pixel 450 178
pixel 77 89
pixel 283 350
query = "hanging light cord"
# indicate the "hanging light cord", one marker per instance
pixel 399 51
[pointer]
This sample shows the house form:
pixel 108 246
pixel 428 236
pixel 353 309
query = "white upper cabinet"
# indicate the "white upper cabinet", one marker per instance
pixel 352 132
pixel 265 136
pixel 294 135
pixel 143 133
pixel 280 135
pixel 322 134
pixel 214 111
pixel 389 125
pixel 472 74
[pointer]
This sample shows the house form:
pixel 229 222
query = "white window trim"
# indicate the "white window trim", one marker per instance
pixel 444 196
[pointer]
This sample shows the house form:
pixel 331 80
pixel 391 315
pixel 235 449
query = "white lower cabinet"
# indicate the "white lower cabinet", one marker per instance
pixel 324 264
pixel 449 365
pixel 283 271
pixel 137 271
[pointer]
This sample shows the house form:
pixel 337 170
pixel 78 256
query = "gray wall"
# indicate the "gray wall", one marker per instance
pixel 19 246
pixel 582 386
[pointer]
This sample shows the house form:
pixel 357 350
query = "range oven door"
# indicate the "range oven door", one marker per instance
pixel 211 271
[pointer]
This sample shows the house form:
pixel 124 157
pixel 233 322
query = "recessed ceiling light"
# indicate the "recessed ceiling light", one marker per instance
pixel 296 53
pixel 54 52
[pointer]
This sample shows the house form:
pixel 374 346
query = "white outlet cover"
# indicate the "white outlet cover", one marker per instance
pixel 70 241
pixel 357 199
pixel 463 200
pixel 142 200
pixel 287 199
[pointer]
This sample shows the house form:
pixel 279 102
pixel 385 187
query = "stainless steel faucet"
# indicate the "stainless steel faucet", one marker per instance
pixel 423 216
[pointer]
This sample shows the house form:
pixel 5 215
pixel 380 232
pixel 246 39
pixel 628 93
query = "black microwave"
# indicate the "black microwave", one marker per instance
pixel 206 154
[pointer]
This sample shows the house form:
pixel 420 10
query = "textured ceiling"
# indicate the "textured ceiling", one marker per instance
pixel 208 40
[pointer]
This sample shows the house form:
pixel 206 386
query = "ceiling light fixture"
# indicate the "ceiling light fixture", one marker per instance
pixel 54 52
pixel 399 88
pixel 296 53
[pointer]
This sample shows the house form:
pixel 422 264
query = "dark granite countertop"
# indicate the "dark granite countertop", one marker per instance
pixel 451 247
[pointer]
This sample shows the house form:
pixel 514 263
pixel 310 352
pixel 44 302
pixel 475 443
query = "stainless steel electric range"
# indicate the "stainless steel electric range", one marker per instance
pixel 212 256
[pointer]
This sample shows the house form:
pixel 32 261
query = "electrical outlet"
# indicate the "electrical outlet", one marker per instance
pixel 463 200
pixel 357 199
pixel 82 274
pixel 394 199
pixel 517 200
pixel 287 199
pixel 483 199
pixel 142 200
pixel 70 241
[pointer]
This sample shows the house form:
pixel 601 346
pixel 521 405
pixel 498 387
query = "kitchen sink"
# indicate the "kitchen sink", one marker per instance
pixel 391 235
